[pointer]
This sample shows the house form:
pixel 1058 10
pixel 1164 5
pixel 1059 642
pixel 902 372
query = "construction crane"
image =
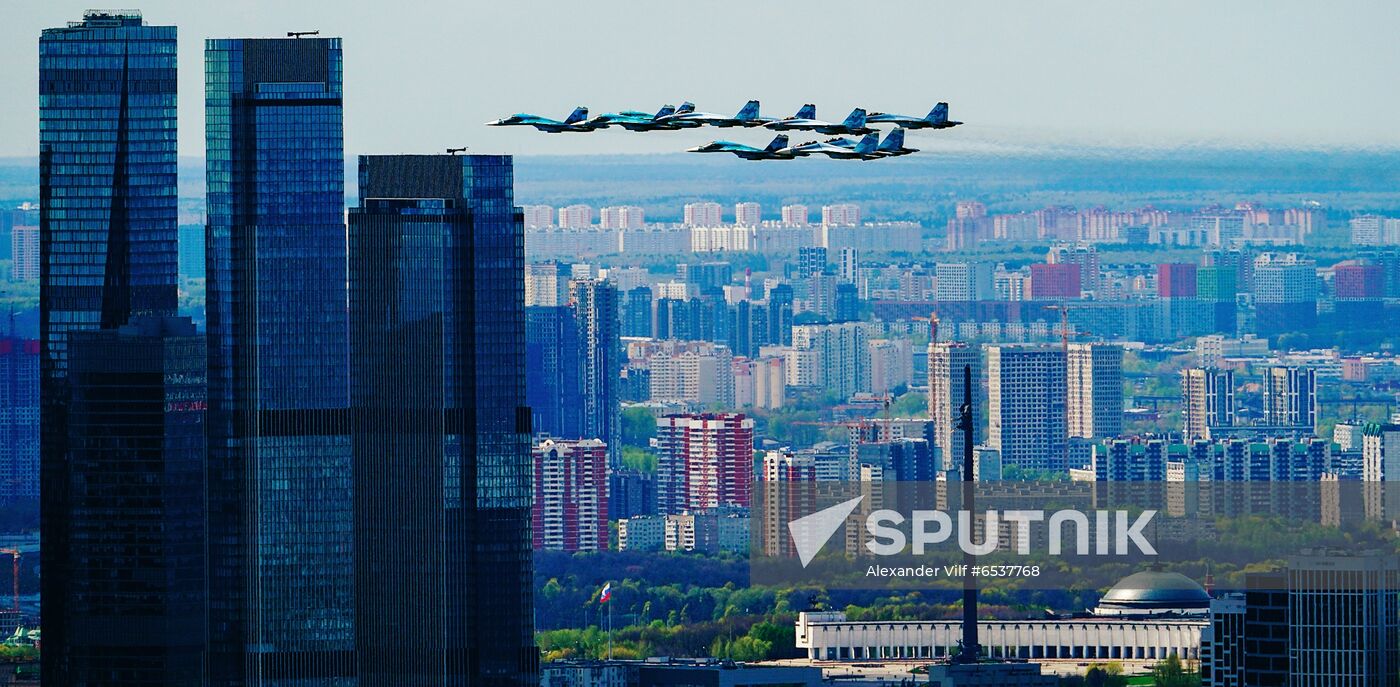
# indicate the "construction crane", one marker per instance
pixel 14 554
pixel 299 34
pixel 932 321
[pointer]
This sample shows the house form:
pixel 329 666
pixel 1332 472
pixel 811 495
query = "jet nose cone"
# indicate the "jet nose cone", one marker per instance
pixel 696 149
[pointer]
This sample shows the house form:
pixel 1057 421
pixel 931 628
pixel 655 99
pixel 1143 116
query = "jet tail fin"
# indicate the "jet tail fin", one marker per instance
pixel 749 111
pixel 685 107
pixel 894 140
pixel 939 113
pixel 808 111
pixel 779 142
pixel 856 119
pixel 867 143
pixel 665 111
pixel 579 114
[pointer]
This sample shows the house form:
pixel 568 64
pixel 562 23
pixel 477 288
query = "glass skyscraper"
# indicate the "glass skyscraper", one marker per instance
pixel 281 553
pixel 107 170
pixel 442 432
pixel 135 558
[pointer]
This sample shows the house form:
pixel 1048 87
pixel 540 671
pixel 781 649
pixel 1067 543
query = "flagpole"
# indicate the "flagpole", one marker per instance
pixel 610 631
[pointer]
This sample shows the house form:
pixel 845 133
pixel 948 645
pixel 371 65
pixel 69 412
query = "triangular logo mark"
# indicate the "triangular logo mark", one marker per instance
pixel 811 532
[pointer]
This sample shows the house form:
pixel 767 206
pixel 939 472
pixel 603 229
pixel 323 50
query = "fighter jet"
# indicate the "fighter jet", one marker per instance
pixel 747 117
pixel 840 148
pixel 806 120
pixel 892 146
pixel 776 150
pixel 937 119
pixel 633 120
pixel 577 121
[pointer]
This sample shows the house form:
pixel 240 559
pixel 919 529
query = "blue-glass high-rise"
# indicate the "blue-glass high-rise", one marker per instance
pixel 442 433
pixel 281 553
pixel 107 227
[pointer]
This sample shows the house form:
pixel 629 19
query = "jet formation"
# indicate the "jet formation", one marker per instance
pixel 858 123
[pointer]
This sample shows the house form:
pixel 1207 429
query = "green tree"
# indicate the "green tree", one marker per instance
pixel 638 426
pixel 1170 673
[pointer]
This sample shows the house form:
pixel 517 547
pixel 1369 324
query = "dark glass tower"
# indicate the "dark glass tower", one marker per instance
pixel 442 434
pixel 599 321
pixel 281 556
pixel 135 576
pixel 107 252
pixel 554 358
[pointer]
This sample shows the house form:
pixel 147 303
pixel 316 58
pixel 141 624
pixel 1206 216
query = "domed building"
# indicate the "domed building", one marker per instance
pixel 1147 616
pixel 1154 593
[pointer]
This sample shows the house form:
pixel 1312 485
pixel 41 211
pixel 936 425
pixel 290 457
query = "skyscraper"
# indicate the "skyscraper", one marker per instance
pixel 1207 400
pixel 554 371
pixel 1290 397
pixel 442 467
pixel 282 592
pixel 636 312
pixel 595 308
pixel 1026 404
pixel 946 365
pixel 1095 385
pixel 135 554
pixel 107 242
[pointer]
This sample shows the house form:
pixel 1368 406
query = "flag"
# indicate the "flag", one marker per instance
pixel 606 594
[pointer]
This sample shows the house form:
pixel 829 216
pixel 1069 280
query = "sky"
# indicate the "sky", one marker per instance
pixel 421 76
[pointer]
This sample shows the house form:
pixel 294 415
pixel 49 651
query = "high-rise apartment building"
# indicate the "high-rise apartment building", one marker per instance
pixel 554 355
pixel 705 214
pixel 1095 384
pixel 594 302
pixel 1026 403
pixel 964 281
pixel 19 419
pixel 576 217
pixel 847 263
pixel 1285 294
pixel 546 284
pixel 834 358
pixel 1055 281
pixel 795 215
pixel 747 214
pixel 637 312
pixel 703 461
pixel 621 217
pixel 107 248
pixel 841 215
pixel 570 511
pixel 1085 255
pixel 1207 400
pixel 24 254
pixel 282 582
pixel 947 365
pixel 1176 280
pixel 441 466
pixel 1290 397
pixel 538 216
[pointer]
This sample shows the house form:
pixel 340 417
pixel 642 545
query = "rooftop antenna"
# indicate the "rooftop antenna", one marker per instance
pixel 299 34
pixel 454 151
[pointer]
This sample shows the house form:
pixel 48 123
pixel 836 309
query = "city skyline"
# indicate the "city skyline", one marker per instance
pixel 1033 76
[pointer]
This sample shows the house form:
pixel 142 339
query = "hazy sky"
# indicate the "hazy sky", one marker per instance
pixel 421 76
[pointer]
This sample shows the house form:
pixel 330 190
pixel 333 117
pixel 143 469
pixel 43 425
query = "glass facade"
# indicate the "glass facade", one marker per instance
pixel 442 432
pixel 135 610
pixel 107 242
pixel 281 558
